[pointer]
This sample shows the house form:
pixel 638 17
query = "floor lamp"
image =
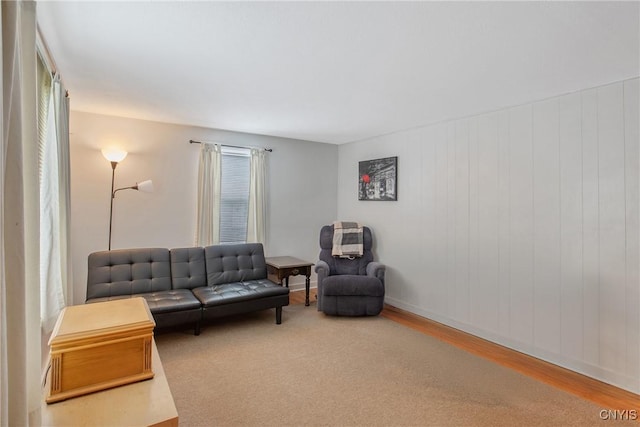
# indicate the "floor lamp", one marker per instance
pixel 116 156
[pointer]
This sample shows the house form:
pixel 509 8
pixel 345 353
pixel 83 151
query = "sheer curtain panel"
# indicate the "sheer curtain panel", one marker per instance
pixel 257 199
pixel 209 189
pixel 61 103
pixel 54 208
pixel 20 393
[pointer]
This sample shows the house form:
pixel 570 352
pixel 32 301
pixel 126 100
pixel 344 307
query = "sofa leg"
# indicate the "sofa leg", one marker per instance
pixel 196 330
pixel 278 315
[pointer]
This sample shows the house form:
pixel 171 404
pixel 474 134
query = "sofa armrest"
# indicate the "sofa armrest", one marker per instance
pixel 377 270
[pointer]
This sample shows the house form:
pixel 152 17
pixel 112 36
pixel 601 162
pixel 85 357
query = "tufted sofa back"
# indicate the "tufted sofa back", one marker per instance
pixel 128 272
pixel 188 268
pixel 235 263
pixel 143 270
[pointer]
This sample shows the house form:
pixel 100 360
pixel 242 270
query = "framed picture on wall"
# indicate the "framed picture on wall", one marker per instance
pixel 378 179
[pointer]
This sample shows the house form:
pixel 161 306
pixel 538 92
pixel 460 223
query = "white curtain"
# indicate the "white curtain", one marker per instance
pixel 257 199
pixel 61 103
pixel 209 188
pixel 55 208
pixel 20 393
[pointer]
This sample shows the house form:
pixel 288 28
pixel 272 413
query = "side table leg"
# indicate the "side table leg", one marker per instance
pixel 307 285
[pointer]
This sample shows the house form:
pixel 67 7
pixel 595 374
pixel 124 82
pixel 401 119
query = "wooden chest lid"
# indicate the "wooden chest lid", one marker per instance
pixel 102 319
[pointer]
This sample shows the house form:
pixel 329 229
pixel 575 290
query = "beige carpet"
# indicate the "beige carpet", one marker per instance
pixel 317 370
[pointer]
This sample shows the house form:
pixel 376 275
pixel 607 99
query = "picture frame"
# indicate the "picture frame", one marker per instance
pixel 378 179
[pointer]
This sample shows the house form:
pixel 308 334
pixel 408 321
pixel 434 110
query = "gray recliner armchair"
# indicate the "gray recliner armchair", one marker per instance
pixel 349 287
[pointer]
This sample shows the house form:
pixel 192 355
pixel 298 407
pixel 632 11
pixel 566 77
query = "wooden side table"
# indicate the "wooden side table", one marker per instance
pixel 284 266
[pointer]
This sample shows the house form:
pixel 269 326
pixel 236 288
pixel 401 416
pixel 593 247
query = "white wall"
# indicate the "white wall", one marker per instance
pixel 302 181
pixel 520 226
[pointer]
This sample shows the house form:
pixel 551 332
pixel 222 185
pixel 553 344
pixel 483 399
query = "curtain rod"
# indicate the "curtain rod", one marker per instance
pixel 43 49
pixel 191 141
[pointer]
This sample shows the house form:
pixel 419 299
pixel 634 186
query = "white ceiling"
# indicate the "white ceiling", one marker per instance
pixel 332 72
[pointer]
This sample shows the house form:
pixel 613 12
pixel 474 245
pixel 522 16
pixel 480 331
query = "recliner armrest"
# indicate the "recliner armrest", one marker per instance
pixel 322 270
pixel 322 267
pixel 376 269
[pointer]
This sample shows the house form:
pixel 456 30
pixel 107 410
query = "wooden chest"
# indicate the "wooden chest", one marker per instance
pixel 98 346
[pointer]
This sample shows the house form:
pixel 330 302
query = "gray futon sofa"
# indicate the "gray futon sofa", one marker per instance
pixel 187 285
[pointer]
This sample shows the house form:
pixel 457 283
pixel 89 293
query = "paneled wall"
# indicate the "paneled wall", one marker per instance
pixel 520 226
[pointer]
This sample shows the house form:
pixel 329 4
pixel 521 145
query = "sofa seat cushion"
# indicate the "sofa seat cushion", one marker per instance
pixel 229 293
pixel 173 300
pixel 163 301
pixel 350 285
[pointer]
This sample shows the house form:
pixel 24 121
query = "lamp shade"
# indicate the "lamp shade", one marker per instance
pixel 146 186
pixel 114 154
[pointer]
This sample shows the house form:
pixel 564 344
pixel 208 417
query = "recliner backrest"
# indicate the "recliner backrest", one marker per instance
pixel 345 265
pixel 128 272
pixel 235 263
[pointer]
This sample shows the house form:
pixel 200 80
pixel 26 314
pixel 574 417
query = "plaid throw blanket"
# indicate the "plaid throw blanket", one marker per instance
pixel 347 239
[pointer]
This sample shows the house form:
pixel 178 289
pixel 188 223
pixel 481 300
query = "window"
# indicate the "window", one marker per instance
pixel 234 195
pixel 231 195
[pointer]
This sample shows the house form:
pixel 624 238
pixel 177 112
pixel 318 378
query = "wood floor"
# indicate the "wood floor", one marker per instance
pixel 605 395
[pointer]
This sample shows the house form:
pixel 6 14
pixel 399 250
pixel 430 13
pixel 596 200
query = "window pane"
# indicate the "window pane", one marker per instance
pixel 234 199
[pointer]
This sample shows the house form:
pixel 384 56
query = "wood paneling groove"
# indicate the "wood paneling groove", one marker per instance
pixel 612 226
pixel 546 225
pixel 631 107
pixel 571 225
pixel 521 224
pixel 591 229
pixel 504 207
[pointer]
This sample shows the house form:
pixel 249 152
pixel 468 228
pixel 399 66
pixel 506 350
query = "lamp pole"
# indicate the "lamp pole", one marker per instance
pixel 114 156
pixel 113 174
